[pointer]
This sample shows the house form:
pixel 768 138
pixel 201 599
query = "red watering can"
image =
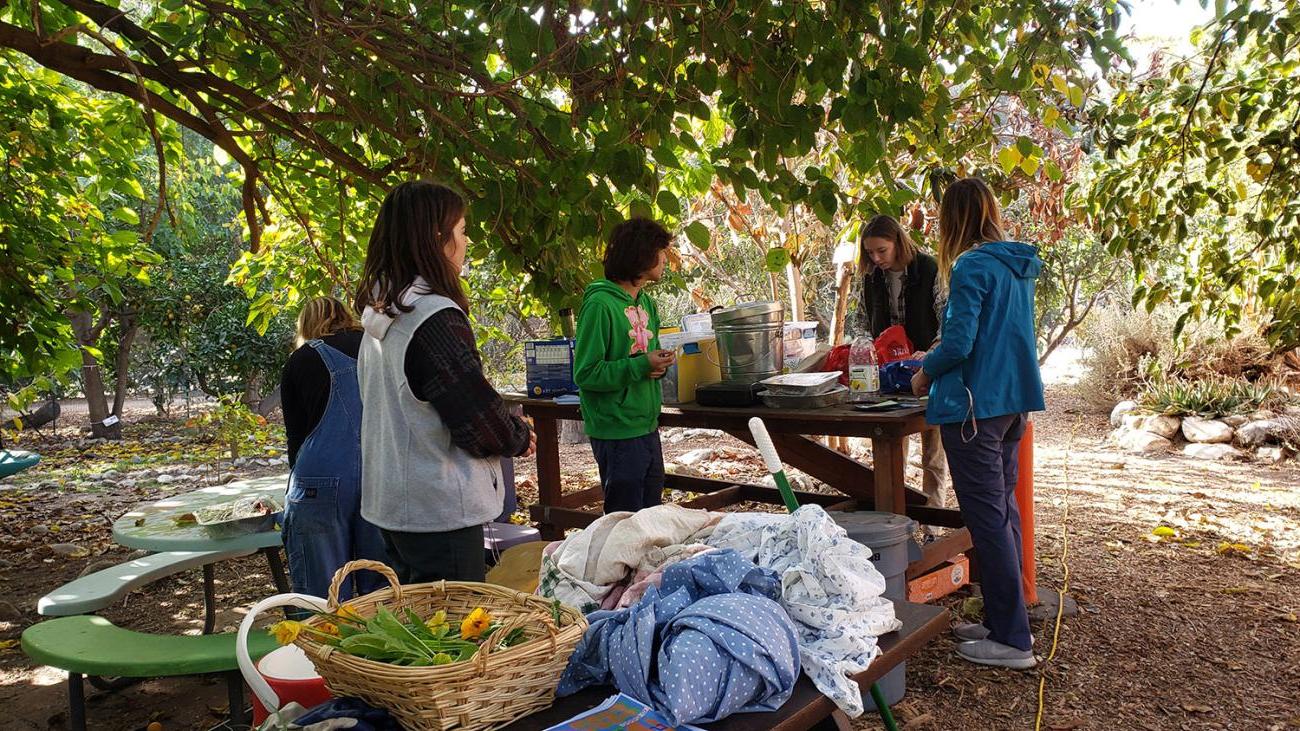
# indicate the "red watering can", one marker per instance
pixel 285 675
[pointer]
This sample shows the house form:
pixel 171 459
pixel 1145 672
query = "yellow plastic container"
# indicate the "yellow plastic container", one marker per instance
pixel 696 364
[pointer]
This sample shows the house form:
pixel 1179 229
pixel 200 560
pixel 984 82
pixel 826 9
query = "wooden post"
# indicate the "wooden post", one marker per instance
pixel 548 471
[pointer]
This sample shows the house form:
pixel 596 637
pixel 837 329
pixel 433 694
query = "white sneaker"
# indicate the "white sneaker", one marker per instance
pixel 988 652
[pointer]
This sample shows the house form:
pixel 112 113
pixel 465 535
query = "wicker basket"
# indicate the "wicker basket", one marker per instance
pixel 487 691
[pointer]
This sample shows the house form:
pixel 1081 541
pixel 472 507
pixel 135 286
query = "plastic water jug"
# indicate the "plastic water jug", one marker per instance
pixel 285 674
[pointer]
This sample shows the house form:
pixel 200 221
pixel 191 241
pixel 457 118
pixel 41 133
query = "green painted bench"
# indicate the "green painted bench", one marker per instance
pixel 91 645
pixel 13 461
pixel 93 592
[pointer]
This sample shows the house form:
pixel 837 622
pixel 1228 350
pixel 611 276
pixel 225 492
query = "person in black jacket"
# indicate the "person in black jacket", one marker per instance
pixel 900 285
pixel 323 527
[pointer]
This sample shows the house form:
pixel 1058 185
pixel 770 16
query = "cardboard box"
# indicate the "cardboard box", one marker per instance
pixel 800 341
pixel 951 576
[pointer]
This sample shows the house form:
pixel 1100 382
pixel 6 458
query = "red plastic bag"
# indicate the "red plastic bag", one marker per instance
pixel 893 345
pixel 838 360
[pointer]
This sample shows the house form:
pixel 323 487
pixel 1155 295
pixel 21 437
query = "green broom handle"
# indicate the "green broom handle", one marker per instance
pixel 772 461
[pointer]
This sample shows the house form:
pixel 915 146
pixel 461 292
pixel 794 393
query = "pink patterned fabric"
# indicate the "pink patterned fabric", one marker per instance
pixel 639 319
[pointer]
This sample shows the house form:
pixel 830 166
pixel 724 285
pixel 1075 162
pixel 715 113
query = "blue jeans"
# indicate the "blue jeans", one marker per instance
pixel 984 472
pixel 631 471
pixel 323 527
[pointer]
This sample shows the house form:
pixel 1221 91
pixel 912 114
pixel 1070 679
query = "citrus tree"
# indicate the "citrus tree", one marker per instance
pixel 558 119
pixel 1200 172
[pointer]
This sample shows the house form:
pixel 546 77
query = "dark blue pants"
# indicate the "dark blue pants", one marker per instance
pixel 631 471
pixel 984 472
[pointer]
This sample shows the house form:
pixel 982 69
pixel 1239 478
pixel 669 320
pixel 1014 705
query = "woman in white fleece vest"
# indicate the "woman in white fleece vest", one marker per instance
pixel 433 430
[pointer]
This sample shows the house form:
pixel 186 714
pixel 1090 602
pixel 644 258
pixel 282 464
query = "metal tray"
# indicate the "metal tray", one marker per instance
pixel 820 401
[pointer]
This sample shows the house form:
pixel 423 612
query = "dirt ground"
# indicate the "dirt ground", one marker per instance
pixel 1196 630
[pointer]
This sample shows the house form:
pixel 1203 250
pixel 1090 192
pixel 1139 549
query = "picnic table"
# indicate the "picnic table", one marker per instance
pixel 878 487
pixel 153 526
pixel 807 707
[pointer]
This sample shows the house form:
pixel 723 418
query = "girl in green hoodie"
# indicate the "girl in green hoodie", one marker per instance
pixel 616 363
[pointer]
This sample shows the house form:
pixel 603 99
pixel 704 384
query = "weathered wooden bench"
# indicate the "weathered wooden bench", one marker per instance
pixel 88 645
pixel 807 708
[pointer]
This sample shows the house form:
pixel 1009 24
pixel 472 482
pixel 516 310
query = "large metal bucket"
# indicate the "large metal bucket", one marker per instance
pixel 750 341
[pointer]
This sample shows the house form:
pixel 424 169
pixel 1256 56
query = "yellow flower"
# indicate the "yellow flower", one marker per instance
pixel 437 621
pixel 329 628
pixel 442 658
pixel 286 631
pixel 350 612
pixel 475 624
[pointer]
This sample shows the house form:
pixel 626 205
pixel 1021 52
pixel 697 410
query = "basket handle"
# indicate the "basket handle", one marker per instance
pixel 512 624
pixel 255 681
pixel 350 566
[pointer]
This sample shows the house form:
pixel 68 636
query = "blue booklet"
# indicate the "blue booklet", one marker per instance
pixel 620 713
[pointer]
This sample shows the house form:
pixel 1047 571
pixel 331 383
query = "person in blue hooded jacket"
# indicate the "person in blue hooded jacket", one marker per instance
pixel 982 380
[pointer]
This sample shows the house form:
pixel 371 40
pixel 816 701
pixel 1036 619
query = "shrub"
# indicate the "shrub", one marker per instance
pixel 1208 398
pixel 232 423
pixel 1129 350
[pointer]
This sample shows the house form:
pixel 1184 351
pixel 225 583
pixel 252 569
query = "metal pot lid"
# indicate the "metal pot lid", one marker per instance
pixel 749 311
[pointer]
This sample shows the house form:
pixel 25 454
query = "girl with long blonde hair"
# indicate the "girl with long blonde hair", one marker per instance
pixel 982 380
pixel 323 527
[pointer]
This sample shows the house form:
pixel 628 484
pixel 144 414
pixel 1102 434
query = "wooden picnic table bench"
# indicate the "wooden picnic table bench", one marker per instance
pixel 807 707
pixel 878 487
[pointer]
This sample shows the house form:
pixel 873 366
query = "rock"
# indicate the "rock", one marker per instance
pixel 707 433
pixel 1236 421
pixel 798 481
pixel 69 550
pixel 39 530
pixel 127 483
pixel 1138 441
pixel 1255 433
pixel 1158 424
pixel 282 459
pixel 165 479
pixel 695 457
pixel 683 469
pixel 227 477
pixel 1121 408
pixel 1212 451
pixel 1271 455
pixel 1206 431
pixel 1262 415
pixel 100 565
pixel 111 474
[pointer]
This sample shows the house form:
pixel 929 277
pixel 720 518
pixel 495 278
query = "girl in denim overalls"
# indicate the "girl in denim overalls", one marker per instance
pixel 323 527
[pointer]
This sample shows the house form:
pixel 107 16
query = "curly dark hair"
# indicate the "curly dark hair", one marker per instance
pixel 634 248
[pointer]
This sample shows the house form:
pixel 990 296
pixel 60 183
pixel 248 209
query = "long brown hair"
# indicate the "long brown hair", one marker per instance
pixel 968 215
pixel 323 316
pixel 885 227
pixel 415 224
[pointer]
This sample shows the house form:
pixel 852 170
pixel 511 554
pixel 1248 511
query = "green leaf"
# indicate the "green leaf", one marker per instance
pixel 1029 165
pixel 668 203
pixel 776 260
pixel 131 187
pixel 1008 158
pixel 699 235
pixel 127 216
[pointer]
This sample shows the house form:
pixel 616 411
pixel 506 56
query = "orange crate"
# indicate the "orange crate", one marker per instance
pixel 951 576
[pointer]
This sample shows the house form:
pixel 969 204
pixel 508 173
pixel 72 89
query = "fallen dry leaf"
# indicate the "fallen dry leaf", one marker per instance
pixel 1196 708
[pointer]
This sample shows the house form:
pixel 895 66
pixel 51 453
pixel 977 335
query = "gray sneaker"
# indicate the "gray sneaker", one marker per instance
pixel 970 632
pixel 988 652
